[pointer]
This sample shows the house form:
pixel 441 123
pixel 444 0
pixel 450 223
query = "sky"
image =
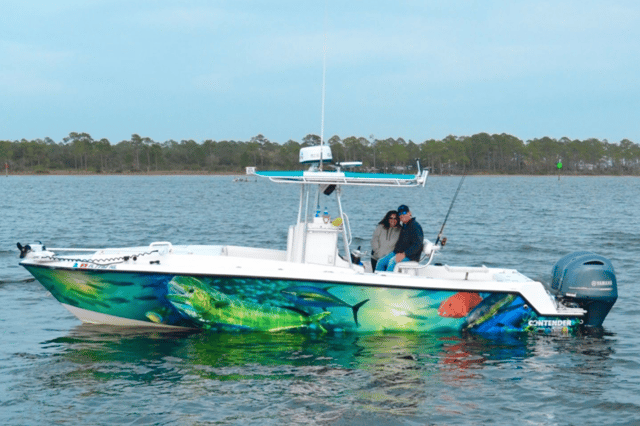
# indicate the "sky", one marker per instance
pixel 231 70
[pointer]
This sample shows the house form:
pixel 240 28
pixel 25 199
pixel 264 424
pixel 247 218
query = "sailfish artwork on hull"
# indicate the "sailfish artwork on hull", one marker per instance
pixel 316 283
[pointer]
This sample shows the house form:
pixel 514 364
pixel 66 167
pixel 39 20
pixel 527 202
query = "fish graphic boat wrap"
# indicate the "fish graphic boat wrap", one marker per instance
pixel 280 304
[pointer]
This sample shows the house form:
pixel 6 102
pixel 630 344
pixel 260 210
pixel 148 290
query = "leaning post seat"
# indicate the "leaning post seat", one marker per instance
pixel 411 267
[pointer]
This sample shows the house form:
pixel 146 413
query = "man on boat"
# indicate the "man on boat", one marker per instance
pixel 409 245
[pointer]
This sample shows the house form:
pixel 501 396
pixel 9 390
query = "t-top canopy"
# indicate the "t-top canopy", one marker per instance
pixel 344 178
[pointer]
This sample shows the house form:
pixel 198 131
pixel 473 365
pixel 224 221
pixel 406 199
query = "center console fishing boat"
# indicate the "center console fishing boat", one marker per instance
pixel 316 283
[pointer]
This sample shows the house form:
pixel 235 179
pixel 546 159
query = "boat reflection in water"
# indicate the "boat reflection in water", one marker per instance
pixel 307 376
pixel 380 372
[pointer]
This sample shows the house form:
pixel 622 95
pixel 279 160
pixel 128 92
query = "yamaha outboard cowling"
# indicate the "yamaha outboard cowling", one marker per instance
pixel 588 280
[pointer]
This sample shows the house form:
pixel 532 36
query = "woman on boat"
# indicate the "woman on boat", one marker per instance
pixel 384 237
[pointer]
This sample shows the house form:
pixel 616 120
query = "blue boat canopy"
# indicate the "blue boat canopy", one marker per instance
pixel 317 155
pixel 343 178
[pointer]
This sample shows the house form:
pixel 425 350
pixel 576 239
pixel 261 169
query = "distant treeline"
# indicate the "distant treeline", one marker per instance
pixel 480 153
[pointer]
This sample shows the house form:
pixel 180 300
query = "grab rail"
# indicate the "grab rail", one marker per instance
pixel 74 249
pixel 481 269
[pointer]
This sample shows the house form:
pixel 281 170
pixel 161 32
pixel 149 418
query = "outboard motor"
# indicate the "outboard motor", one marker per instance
pixel 24 250
pixel 32 248
pixel 587 280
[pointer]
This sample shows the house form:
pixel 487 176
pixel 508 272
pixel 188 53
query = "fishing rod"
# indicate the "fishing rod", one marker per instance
pixel 444 240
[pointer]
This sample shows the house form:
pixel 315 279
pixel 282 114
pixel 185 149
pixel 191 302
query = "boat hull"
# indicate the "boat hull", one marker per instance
pixel 269 304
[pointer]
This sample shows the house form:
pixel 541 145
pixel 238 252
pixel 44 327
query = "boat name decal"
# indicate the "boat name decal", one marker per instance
pixel 551 323
pixel 92 266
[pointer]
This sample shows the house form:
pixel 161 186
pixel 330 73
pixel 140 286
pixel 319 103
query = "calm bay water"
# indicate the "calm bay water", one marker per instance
pixel 54 370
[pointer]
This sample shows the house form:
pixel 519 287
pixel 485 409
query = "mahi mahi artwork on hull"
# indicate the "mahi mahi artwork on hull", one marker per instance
pixel 214 309
pixel 262 304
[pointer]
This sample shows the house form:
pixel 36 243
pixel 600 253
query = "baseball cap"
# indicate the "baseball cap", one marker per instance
pixel 403 209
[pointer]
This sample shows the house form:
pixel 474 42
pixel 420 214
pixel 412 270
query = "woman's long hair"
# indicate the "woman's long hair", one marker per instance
pixel 385 222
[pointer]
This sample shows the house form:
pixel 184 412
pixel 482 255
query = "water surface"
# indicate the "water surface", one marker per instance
pixel 54 370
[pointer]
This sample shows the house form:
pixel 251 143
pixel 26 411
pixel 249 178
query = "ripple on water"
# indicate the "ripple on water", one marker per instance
pixel 57 371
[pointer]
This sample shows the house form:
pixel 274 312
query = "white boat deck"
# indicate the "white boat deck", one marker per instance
pixel 175 254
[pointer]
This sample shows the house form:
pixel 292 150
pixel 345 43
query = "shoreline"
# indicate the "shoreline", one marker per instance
pixel 154 173
pixel 240 174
